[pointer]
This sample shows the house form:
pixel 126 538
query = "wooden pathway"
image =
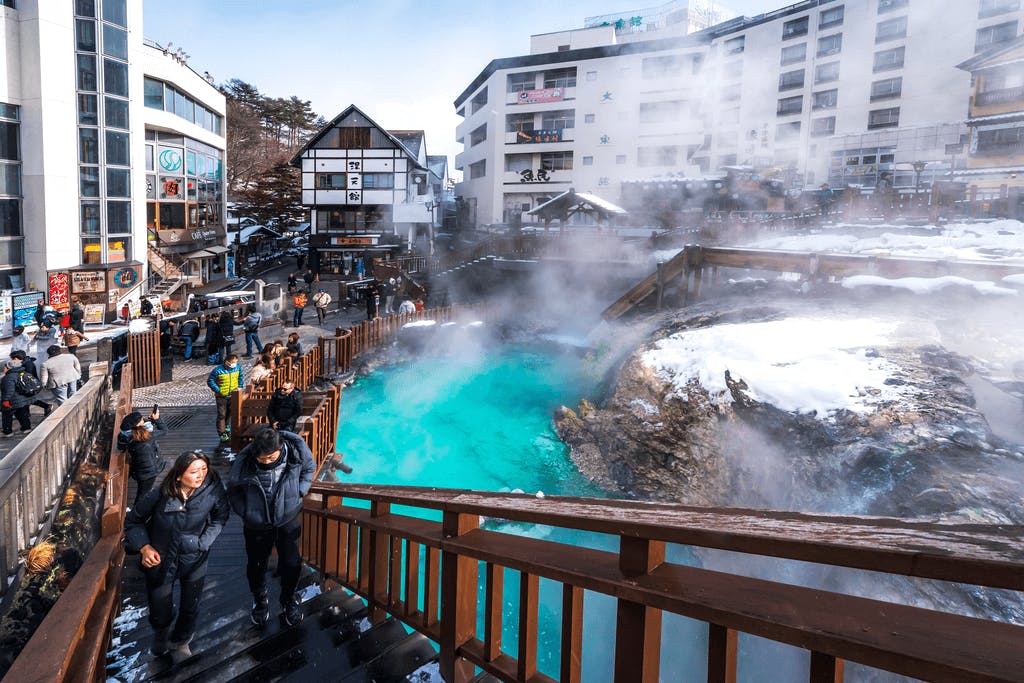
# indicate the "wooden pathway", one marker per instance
pixel 334 642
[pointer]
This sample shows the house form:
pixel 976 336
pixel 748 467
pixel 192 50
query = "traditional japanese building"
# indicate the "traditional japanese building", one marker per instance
pixel 369 191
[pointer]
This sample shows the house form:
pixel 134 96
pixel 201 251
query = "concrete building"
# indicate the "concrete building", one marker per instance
pixel 369 191
pixel 75 125
pixel 831 91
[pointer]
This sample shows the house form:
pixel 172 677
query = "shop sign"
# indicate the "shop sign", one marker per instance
pixel 124 278
pixel 543 95
pixel 353 241
pixel 534 136
pixel 169 159
pixel 58 287
pixel 88 281
pixel 94 314
pixel 179 236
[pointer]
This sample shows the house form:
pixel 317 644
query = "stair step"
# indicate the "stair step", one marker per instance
pixel 396 662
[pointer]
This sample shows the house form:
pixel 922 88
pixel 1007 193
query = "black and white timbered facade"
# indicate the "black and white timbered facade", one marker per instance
pixel 366 189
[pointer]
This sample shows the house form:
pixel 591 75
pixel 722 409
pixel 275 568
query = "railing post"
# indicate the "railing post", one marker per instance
pixel 379 564
pixel 722 648
pixel 637 627
pixel 825 669
pixel 458 599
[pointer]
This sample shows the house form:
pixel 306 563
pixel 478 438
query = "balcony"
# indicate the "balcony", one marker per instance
pixel 1003 96
pixel 535 137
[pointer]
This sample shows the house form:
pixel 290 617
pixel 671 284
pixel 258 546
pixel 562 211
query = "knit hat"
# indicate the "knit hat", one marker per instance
pixel 131 421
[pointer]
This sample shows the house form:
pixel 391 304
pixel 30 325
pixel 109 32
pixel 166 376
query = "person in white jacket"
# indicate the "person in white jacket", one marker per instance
pixel 60 373
pixel 321 300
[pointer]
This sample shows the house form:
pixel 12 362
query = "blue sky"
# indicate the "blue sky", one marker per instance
pixel 403 62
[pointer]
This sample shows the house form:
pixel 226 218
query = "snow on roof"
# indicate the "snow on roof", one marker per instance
pixel 986 171
pixel 245 233
pixel 926 285
pixel 796 364
pixel 996 117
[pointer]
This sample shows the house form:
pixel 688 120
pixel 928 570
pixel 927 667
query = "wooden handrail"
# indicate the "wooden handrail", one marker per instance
pixel 344 543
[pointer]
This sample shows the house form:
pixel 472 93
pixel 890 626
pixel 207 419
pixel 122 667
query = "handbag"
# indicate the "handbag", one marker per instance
pixel 228 339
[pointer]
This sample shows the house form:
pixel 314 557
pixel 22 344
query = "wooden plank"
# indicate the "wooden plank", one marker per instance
pixel 494 597
pixel 412 580
pixel 722 650
pixel 432 576
pixel 572 634
pixel 529 585
pixel 394 596
pixel 638 626
pixel 458 600
pixel 825 669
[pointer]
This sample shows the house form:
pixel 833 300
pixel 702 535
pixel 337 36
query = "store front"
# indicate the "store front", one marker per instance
pixel 346 257
pixel 97 287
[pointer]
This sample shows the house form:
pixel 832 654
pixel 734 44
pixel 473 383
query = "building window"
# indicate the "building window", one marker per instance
pixel 659 67
pixel 735 46
pixel 790 105
pixel 826 73
pixel 887 60
pixel 116 12
pixel 85 35
pixel 478 170
pixel 660 112
pixel 886 89
pixel 85 8
pixel 791 79
pixel 378 181
pixel 88 145
pixel 890 5
pixel 661 155
pixel 517 163
pixel 1000 141
pixel 793 54
pixel 884 118
pixel 87 73
pixel 117 148
pixel 825 99
pixel 891 29
pixel 588 118
pixel 159 95
pixel 558 120
pixel 478 136
pixel 994 35
pixel 515 123
pixel 588 161
pixel 560 78
pixel 620 159
pixel 823 126
pixel 115 42
pixel 830 45
pixel 831 17
pixel 89 181
pixel 12 257
pixel 115 77
pixel 990 8
pixel 330 181
pixel 520 82
pixel 556 161
pixel 9 3
pixel 153 93
pixel 478 102
pixel 787 131
pixel 797 27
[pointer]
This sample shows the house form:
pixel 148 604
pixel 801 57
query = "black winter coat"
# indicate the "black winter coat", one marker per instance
pixel 9 393
pixel 144 459
pixel 247 497
pixel 227 328
pixel 213 337
pixel 181 531
pixel 285 408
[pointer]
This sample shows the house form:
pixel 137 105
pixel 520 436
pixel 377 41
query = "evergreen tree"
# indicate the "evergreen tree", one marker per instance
pixel 274 198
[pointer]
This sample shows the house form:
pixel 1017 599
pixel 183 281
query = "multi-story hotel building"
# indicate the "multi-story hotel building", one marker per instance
pixel 831 91
pixel 88 148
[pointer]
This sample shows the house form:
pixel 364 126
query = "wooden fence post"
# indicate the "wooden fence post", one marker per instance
pixel 637 627
pixel 458 599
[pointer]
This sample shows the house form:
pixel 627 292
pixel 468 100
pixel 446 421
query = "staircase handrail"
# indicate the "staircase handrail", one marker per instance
pixel 376 553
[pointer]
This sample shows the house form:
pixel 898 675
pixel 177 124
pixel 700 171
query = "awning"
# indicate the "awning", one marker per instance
pixel 198 254
pixel 217 249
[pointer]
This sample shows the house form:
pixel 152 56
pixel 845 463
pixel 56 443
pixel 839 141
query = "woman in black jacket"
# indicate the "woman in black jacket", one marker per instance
pixel 227 333
pixel 212 340
pixel 137 439
pixel 172 528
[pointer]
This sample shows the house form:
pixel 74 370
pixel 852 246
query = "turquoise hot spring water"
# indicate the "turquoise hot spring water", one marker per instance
pixel 483 420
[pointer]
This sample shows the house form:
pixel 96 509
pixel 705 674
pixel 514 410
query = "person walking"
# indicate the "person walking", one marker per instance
pixel 29 363
pixel 60 374
pixel 372 300
pixel 407 307
pixel 190 333
pixel 44 338
pixel 73 338
pixel 387 295
pixel 292 282
pixel 15 397
pixel 21 340
pixel 223 381
pixel 76 317
pixel 212 340
pixel 227 333
pixel 267 483
pixel 321 300
pixel 309 277
pixel 173 528
pixel 285 407
pixel 136 438
pixel 251 325
pixel 299 303
pixel 300 260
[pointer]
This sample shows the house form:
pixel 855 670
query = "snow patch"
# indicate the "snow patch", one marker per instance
pixel 420 323
pixel 928 285
pixel 798 364
pixel 644 406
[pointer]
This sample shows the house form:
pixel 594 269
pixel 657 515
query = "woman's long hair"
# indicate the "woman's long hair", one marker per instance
pixel 171 487
pixel 141 434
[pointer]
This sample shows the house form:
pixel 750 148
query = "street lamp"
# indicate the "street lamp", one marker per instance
pixel 918 167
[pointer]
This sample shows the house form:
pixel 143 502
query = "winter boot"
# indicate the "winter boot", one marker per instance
pixel 181 651
pixel 160 641
pixel 291 612
pixel 260 613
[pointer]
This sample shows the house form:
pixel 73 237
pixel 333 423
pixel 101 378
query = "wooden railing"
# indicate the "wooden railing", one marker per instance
pixel 426 574
pixel 144 356
pixel 71 642
pixel 371 333
pixel 35 473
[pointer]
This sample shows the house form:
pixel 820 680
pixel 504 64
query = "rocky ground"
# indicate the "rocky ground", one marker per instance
pixel 930 452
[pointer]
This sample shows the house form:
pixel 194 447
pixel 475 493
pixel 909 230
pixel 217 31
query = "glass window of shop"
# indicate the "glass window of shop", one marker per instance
pixel 188 171
pixel 115 113
pixel 12 259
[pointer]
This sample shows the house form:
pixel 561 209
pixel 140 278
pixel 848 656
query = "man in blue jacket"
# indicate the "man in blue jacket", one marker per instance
pixel 268 481
pixel 223 381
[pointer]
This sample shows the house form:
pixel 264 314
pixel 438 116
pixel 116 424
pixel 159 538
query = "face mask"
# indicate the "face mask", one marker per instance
pixel 148 426
pixel 230 366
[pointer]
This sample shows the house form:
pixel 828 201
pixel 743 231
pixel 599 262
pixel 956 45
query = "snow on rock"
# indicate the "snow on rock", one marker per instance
pixel 796 364
pixel 420 323
pixel 929 285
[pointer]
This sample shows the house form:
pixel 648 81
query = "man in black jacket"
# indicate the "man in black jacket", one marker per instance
pixel 285 407
pixel 267 483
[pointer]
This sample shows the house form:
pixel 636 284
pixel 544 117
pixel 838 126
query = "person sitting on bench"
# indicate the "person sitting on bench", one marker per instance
pixel 285 407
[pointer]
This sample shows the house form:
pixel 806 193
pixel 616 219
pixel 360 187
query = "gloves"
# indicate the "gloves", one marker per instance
pixel 7 404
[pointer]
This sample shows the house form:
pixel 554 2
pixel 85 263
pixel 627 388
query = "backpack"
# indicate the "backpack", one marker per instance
pixel 27 384
pixel 252 322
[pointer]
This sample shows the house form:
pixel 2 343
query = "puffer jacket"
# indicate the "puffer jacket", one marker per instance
pixel 247 497
pixel 9 393
pixel 144 459
pixel 181 531
pixel 285 408
pixel 224 380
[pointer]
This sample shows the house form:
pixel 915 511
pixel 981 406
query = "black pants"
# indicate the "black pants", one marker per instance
pixel 8 415
pixel 258 545
pixel 144 486
pixel 160 591
pixel 223 413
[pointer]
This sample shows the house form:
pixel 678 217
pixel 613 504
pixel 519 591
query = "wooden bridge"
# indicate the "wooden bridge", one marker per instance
pixel 691 263
pixel 401 576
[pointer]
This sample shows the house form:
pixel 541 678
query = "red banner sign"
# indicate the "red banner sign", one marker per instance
pixel 59 291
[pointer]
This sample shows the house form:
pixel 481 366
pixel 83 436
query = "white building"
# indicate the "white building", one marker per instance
pixel 75 129
pixel 823 90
